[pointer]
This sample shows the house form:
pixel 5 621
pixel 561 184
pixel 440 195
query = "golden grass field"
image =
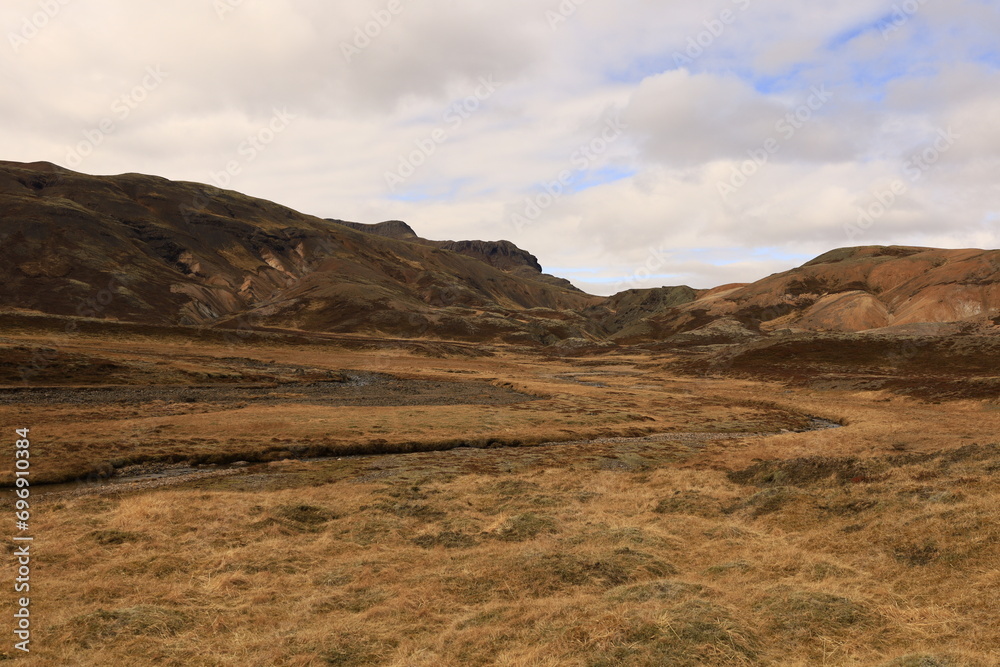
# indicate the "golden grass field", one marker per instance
pixel 735 540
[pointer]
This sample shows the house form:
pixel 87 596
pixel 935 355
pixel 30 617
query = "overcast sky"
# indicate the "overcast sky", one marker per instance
pixel 633 143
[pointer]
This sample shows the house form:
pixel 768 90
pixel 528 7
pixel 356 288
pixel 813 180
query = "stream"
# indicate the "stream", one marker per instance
pixel 152 475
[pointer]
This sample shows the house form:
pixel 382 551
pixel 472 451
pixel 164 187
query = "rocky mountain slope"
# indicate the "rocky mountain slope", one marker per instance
pixel 504 255
pixel 149 250
pixel 146 249
pixel 870 288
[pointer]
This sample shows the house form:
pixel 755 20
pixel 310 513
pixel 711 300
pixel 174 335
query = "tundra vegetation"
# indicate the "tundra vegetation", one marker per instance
pixel 416 504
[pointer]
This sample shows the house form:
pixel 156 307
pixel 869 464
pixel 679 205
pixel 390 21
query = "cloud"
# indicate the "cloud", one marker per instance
pixel 705 164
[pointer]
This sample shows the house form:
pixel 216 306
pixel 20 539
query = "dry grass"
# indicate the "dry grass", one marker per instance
pixel 876 544
pixel 555 402
pixel 558 562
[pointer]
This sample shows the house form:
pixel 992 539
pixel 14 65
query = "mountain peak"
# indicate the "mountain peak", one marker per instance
pixel 393 229
pixel 866 252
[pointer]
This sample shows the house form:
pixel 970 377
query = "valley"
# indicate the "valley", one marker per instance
pixel 625 506
pixel 264 438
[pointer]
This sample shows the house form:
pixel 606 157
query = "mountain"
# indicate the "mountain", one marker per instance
pixel 628 314
pixel 146 249
pixel 392 229
pixel 889 289
pixel 504 255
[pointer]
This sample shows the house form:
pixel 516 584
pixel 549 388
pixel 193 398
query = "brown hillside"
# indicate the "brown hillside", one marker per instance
pixel 854 289
pixel 146 249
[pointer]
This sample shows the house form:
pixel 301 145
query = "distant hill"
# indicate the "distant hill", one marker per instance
pixel 872 288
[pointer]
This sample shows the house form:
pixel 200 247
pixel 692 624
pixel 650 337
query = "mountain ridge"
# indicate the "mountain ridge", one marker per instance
pixel 171 252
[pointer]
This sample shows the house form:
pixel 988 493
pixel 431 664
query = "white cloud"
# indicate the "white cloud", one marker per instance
pixel 688 129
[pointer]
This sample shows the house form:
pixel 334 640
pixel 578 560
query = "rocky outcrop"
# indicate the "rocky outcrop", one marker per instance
pixel 502 254
pixel 392 229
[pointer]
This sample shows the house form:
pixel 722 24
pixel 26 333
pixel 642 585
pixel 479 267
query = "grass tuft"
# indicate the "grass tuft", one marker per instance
pixel 524 527
pixel 147 620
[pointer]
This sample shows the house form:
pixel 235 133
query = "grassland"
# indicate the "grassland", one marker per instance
pixel 445 535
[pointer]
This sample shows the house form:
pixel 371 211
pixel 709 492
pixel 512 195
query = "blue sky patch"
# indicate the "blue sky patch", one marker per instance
pixel 601 176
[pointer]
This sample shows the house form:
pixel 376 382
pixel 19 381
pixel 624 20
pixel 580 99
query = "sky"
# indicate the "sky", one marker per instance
pixel 626 144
